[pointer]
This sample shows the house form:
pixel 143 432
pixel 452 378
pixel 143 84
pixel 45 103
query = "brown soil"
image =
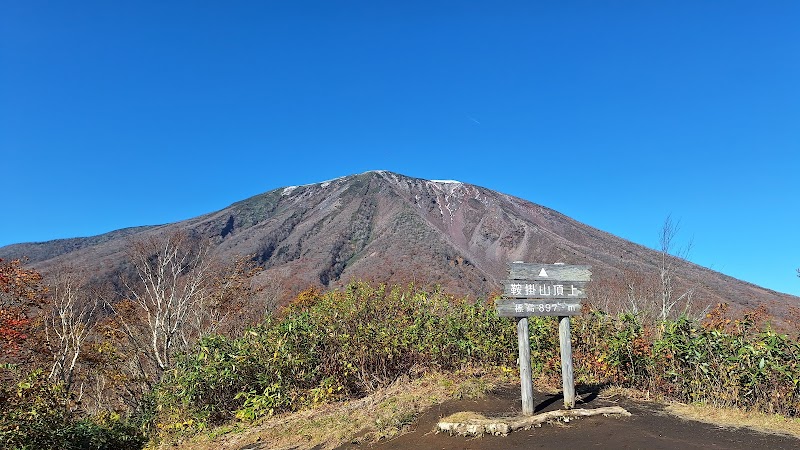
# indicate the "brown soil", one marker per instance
pixel 649 427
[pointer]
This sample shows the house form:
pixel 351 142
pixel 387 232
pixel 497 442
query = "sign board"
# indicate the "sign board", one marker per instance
pixel 543 290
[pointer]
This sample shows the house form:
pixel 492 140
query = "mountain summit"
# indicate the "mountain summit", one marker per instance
pixel 386 227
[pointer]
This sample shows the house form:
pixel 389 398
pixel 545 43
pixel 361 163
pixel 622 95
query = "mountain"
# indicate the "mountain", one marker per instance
pixel 386 227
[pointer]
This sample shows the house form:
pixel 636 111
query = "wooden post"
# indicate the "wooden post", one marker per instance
pixel 525 378
pixel 565 341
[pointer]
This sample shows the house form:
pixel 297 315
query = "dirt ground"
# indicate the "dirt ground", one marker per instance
pixel 649 427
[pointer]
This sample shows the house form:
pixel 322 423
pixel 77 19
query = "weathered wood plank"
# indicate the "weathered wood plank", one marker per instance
pixel 507 307
pixel 545 289
pixel 562 272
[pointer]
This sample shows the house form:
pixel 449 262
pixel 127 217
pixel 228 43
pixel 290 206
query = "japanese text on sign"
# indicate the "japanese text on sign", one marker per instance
pixel 546 307
pixel 535 307
pixel 544 290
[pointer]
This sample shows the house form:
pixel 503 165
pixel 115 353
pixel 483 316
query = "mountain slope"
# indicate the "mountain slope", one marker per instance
pixel 383 226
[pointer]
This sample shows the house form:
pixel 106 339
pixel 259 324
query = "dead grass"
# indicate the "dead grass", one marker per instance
pixel 736 418
pixel 719 416
pixel 617 391
pixel 382 415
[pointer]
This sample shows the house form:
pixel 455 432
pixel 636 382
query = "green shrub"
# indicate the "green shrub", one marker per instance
pixel 34 416
pixel 746 369
pixel 340 344
pixel 689 361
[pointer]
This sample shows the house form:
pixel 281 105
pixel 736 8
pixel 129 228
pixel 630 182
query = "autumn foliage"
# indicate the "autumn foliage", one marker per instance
pixel 21 290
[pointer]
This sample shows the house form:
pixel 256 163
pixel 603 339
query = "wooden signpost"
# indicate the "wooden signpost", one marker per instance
pixel 544 290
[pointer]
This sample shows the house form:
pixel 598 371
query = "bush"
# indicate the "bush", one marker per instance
pixel 689 361
pixel 340 344
pixel 34 416
pixel 747 369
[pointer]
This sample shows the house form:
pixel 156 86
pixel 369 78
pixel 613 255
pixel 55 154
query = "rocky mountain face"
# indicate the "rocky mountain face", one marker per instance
pixel 385 227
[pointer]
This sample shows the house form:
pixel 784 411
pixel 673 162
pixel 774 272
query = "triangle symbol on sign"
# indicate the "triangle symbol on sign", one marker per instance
pixel 542 273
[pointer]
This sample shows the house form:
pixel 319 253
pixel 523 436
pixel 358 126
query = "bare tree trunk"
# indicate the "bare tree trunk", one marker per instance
pixel 68 324
pixel 670 255
pixel 176 294
pixel 170 285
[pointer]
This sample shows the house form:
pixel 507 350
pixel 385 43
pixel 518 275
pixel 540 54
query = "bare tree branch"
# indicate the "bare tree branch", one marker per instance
pixel 68 324
pixel 670 256
pixel 171 282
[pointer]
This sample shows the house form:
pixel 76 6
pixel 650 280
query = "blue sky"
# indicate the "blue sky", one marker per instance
pixel 616 113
